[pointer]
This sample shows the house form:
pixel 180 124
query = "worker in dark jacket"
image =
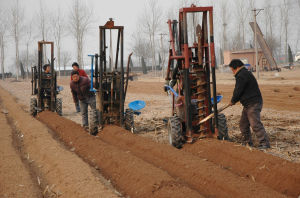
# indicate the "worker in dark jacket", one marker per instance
pixel 80 88
pixel 81 72
pixel 247 92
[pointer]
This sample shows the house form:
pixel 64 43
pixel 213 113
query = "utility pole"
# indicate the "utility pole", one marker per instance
pixel 255 40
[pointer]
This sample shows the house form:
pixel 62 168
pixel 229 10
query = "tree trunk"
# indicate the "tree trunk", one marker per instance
pixel 17 57
pixel 153 54
pixel 2 55
pixel 27 70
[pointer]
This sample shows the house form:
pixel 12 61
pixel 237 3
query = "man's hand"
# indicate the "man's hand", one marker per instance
pixel 166 83
pixel 231 104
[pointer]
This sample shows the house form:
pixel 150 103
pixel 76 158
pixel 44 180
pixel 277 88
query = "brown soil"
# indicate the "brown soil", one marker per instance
pixel 131 175
pixel 144 160
pixel 15 177
pixel 280 175
pixel 275 97
pixel 56 168
pixel 207 167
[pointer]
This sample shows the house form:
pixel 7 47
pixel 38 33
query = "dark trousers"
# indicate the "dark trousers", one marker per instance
pixel 84 109
pixel 251 117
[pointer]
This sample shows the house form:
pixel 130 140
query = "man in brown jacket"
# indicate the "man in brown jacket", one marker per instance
pixel 80 88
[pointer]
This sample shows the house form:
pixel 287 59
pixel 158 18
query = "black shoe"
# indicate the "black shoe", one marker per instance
pixel 86 128
pixel 247 143
pixel 263 146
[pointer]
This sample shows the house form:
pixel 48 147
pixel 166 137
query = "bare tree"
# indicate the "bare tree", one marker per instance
pixel 29 58
pixel 43 22
pixel 3 36
pixel 151 22
pixel 79 19
pixel 65 59
pixel 224 18
pixel 28 41
pixel 269 21
pixel 17 16
pixel 58 30
pixel 140 46
pixel 241 14
pixel 286 21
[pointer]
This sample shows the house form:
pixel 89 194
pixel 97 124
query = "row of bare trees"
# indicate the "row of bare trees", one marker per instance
pixel 232 27
pixel 50 26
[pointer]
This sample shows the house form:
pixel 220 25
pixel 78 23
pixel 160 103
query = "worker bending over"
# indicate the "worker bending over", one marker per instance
pixel 247 92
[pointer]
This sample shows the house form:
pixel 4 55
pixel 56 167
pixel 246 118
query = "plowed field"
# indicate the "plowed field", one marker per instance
pixel 53 156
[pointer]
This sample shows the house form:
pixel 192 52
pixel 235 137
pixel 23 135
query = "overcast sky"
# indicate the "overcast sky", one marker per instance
pixel 126 13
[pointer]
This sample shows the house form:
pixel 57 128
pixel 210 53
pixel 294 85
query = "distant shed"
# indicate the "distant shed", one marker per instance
pixel 248 57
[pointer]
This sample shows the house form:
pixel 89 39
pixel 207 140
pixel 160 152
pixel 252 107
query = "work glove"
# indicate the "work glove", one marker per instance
pixel 172 83
pixel 77 106
pixel 166 83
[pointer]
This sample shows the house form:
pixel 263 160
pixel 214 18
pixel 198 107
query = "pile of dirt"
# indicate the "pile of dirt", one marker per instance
pixel 280 175
pixel 20 182
pixel 130 175
pixel 138 167
pixel 60 173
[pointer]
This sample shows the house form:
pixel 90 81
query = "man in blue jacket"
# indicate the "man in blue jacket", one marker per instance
pixel 247 92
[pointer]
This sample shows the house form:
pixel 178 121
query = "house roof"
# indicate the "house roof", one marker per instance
pixel 251 50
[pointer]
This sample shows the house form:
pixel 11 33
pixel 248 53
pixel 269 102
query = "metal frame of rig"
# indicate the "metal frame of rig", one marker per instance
pixel 109 85
pixel 195 66
pixel 44 87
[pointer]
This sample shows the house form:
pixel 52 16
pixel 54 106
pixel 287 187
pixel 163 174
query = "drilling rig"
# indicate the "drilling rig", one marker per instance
pixel 109 82
pixel 191 78
pixel 44 85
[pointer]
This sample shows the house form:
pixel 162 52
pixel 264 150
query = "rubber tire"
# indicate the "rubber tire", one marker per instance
pixel 33 106
pixel 58 106
pixel 129 120
pixel 222 127
pixel 175 134
pixel 93 122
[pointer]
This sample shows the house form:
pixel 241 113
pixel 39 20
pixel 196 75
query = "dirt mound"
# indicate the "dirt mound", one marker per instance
pixel 131 175
pixel 280 175
pixel 193 170
pixel 138 163
pixel 60 172
pixel 296 88
pixel 20 184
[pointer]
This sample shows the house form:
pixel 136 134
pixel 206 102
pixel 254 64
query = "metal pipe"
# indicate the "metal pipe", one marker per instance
pixel 187 90
pixel 127 74
pixel 104 49
pixel 117 53
pixel 32 79
pixel 213 70
pixel 53 79
pixel 96 71
pixel 40 62
pixel 122 99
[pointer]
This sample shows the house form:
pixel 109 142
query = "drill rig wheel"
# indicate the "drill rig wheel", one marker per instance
pixel 33 106
pixel 129 120
pixel 58 107
pixel 222 127
pixel 175 132
pixel 93 122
